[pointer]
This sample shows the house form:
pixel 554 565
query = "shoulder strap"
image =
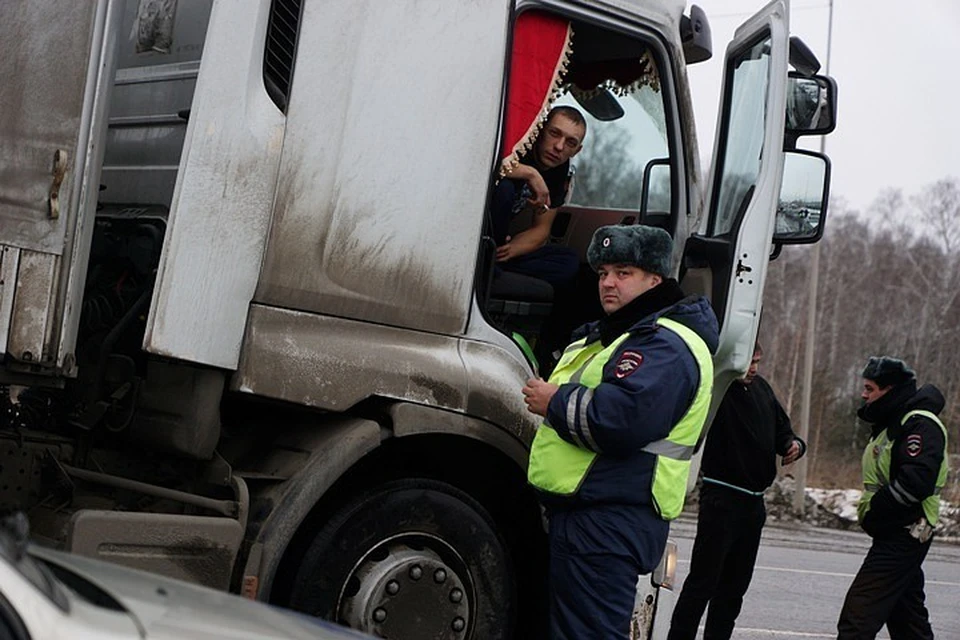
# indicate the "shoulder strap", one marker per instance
pixel 926 414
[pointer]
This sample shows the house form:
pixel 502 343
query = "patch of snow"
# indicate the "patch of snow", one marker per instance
pixel 840 502
pixel 837 508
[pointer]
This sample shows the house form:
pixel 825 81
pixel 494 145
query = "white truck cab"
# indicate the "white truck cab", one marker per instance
pixel 251 326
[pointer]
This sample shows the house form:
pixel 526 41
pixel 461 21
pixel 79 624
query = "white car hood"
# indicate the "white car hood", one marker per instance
pixel 165 608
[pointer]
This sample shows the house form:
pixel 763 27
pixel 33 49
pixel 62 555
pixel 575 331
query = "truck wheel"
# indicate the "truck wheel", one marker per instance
pixel 411 559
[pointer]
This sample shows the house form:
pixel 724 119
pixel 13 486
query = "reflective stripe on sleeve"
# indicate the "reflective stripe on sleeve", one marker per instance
pixel 572 418
pixel 902 495
pixel 669 449
pixel 582 424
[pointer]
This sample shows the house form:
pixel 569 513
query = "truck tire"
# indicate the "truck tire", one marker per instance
pixel 409 560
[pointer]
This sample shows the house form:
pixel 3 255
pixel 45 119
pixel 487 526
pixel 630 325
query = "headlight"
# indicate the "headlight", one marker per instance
pixel 666 571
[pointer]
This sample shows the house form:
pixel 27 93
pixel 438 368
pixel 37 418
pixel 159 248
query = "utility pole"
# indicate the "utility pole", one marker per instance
pixel 799 493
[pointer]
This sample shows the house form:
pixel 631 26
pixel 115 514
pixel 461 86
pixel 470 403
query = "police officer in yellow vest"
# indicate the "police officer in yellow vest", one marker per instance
pixel 623 411
pixel 904 469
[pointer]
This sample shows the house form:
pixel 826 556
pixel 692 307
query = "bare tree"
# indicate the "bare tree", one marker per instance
pixel 889 286
pixel 606 175
pixel 939 207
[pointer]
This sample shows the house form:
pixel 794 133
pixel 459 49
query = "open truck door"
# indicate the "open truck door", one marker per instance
pixel 57 66
pixel 727 260
pixel 763 192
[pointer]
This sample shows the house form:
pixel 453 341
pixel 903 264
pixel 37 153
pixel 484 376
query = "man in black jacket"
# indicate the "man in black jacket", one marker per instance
pixel 904 469
pixel 739 463
pixel 538 182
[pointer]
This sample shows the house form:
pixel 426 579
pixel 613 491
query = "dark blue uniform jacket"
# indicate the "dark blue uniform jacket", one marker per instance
pixel 629 412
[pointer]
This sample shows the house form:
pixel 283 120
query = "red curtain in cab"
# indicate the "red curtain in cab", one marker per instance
pixel 538 64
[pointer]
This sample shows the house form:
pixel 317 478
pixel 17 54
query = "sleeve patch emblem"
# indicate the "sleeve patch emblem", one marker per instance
pixel 914 445
pixel 629 362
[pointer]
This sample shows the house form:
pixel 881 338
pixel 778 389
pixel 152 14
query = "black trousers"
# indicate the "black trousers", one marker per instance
pixel 888 589
pixel 724 554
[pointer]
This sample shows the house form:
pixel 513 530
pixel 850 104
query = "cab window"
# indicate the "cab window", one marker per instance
pixel 610 167
pixel 742 139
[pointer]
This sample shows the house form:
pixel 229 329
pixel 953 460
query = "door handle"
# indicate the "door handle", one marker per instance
pixel 59 171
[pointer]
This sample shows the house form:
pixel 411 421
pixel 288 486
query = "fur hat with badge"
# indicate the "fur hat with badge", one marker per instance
pixel 649 248
pixel 887 371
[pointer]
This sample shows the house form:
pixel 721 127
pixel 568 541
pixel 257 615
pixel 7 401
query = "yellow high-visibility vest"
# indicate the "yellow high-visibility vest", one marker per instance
pixel 876 471
pixel 559 467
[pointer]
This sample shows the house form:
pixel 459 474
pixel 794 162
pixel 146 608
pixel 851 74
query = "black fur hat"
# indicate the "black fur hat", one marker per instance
pixel 887 371
pixel 648 248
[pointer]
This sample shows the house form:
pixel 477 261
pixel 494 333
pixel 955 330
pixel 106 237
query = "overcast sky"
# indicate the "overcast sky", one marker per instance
pixel 897 66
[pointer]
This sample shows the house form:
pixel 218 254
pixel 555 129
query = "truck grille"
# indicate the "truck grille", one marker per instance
pixel 280 50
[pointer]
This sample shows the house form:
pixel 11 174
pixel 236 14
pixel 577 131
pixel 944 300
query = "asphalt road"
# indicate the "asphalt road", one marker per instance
pixel 802 575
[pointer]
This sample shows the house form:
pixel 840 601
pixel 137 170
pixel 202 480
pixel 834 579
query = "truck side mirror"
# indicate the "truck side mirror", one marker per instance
pixel 696 36
pixel 803 198
pixel 811 106
pixel 802 57
pixel 656 201
pixel 602 104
